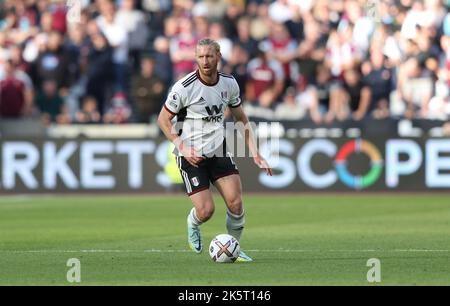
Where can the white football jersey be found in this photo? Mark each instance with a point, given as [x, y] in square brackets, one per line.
[200, 109]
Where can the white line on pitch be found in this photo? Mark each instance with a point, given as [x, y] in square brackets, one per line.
[255, 251]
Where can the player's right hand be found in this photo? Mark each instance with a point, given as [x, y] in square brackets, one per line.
[191, 155]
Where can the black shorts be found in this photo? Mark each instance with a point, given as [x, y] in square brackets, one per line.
[209, 170]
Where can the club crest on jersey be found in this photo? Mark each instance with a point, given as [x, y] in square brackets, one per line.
[195, 181]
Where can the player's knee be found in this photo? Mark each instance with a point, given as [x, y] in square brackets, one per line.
[235, 205]
[205, 213]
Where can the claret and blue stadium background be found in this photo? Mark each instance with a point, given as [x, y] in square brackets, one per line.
[360, 90]
[350, 101]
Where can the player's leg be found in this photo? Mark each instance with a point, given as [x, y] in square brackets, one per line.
[230, 188]
[225, 177]
[203, 207]
[201, 212]
[197, 187]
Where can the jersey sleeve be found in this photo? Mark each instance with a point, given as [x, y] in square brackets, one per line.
[175, 100]
[235, 98]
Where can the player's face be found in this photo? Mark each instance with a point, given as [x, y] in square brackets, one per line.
[207, 60]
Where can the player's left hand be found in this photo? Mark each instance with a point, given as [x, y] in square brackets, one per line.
[262, 163]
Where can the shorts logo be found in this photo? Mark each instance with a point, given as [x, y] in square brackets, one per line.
[195, 181]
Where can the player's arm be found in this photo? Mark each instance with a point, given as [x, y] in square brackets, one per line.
[165, 124]
[240, 116]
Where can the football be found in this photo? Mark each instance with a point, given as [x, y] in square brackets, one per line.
[224, 248]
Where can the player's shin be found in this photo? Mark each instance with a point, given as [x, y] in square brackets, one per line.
[235, 224]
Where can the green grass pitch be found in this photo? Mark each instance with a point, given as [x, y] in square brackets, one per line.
[294, 240]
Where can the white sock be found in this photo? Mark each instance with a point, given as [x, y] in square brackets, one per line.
[193, 219]
[235, 224]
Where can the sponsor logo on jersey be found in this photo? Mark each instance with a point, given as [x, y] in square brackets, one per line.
[215, 113]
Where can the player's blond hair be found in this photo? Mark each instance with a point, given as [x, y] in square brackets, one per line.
[209, 42]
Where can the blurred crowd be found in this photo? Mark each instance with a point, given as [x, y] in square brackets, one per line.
[113, 61]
